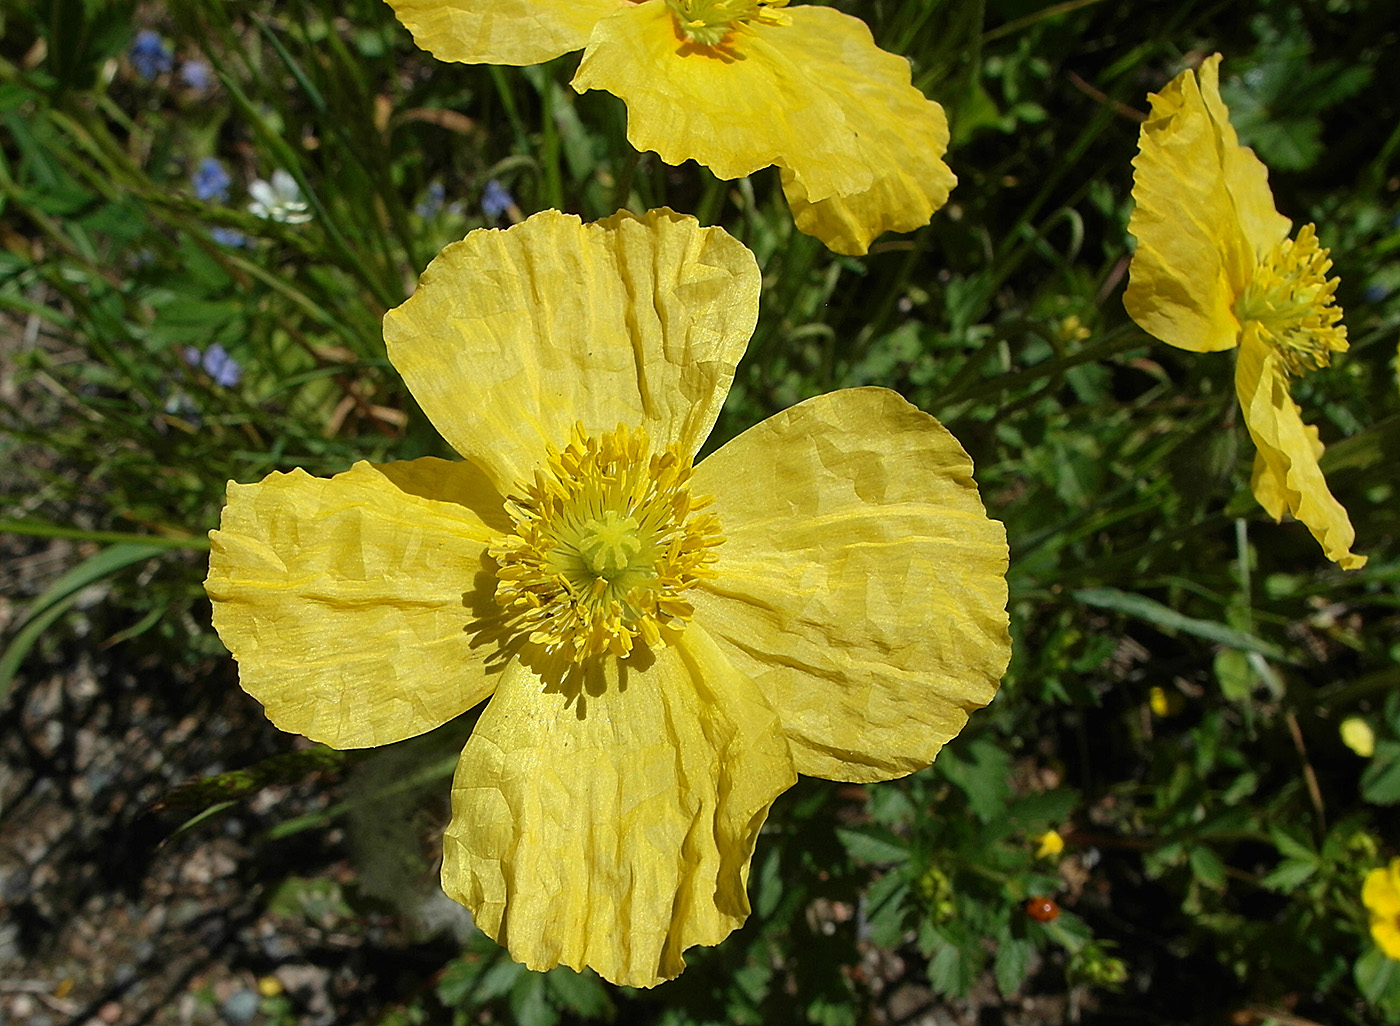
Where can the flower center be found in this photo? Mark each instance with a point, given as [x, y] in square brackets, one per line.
[1292, 301]
[709, 22]
[607, 539]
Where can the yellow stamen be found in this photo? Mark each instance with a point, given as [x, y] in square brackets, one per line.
[1292, 301]
[607, 539]
[711, 22]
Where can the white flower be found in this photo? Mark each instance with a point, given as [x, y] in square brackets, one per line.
[280, 200]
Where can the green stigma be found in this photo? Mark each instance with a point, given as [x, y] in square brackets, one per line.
[710, 22]
[1291, 300]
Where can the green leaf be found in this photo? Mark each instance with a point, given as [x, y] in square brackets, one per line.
[981, 770]
[877, 847]
[1376, 974]
[1234, 675]
[1170, 620]
[49, 606]
[1288, 875]
[582, 993]
[1380, 781]
[1013, 961]
[885, 907]
[528, 1003]
[1207, 867]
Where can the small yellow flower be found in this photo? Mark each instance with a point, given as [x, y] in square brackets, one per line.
[1164, 703]
[663, 645]
[1215, 269]
[737, 85]
[1358, 736]
[1049, 845]
[1381, 896]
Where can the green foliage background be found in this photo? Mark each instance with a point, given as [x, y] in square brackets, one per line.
[1215, 844]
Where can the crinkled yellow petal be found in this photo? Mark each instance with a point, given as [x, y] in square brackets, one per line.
[902, 135]
[1267, 482]
[613, 827]
[1290, 478]
[1194, 256]
[347, 601]
[755, 102]
[861, 584]
[1246, 177]
[515, 335]
[501, 31]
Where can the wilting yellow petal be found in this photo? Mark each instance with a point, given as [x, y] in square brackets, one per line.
[1291, 475]
[501, 31]
[734, 109]
[514, 336]
[346, 601]
[861, 584]
[613, 827]
[903, 135]
[1267, 482]
[1194, 256]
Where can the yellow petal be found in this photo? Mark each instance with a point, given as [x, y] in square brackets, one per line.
[1267, 480]
[1381, 891]
[735, 109]
[1194, 255]
[1246, 177]
[515, 335]
[613, 828]
[1291, 477]
[347, 601]
[902, 135]
[500, 31]
[860, 584]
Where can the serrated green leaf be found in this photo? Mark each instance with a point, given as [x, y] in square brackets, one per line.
[528, 1003]
[1288, 875]
[885, 903]
[1013, 961]
[582, 993]
[1380, 781]
[1207, 867]
[877, 847]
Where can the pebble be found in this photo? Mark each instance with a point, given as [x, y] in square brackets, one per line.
[239, 1007]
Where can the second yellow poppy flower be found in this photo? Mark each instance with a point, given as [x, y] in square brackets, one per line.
[1215, 269]
[737, 85]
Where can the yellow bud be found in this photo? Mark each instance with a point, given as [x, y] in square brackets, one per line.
[1358, 736]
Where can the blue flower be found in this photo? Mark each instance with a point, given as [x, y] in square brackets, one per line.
[211, 181]
[216, 362]
[230, 237]
[495, 200]
[149, 55]
[431, 202]
[196, 75]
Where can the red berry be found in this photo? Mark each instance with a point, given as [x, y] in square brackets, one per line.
[1042, 909]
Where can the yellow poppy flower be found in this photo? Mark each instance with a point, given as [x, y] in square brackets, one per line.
[1215, 269]
[1381, 896]
[736, 85]
[659, 663]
